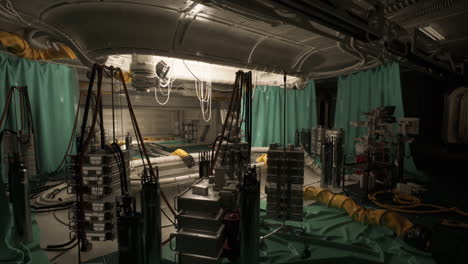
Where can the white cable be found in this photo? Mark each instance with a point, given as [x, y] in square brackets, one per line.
[203, 90]
[165, 84]
[167, 98]
[13, 12]
[8, 11]
[204, 95]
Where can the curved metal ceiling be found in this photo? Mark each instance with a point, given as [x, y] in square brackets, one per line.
[184, 29]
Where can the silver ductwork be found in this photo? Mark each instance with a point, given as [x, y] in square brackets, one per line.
[143, 72]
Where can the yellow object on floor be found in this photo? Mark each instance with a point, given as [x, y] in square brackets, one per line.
[394, 221]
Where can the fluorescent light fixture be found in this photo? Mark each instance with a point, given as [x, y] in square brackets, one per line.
[432, 33]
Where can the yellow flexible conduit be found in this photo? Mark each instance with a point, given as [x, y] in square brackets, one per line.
[394, 221]
[180, 152]
[21, 48]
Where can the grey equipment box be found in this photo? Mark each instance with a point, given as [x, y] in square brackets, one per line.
[198, 259]
[200, 221]
[187, 201]
[208, 244]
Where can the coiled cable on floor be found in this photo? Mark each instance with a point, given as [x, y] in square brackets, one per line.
[406, 203]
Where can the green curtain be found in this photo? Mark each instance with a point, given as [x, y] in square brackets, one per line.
[268, 117]
[363, 91]
[52, 91]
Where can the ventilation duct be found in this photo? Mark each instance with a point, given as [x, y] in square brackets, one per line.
[143, 72]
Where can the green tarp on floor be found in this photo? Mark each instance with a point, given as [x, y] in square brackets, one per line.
[332, 237]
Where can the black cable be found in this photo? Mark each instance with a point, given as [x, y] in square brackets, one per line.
[223, 130]
[86, 109]
[63, 252]
[116, 151]
[59, 220]
[82, 147]
[234, 110]
[168, 218]
[44, 189]
[52, 210]
[113, 106]
[62, 245]
[52, 206]
[123, 173]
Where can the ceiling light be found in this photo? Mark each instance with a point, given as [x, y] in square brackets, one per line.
[432, 33]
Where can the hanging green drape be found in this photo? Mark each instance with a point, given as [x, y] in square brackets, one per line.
[268, 117]
[51, 91]
[363, 91]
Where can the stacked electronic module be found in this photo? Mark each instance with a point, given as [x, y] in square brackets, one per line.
[100, 184]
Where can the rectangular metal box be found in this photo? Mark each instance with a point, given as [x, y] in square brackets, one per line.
[200, 221]
[200, 243]
[199, 259]
[188, 201]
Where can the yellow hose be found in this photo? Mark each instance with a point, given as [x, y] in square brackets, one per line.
[21, 48]
[180, 152]
[394, 221]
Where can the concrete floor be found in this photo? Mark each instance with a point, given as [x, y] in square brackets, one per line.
[52, 232]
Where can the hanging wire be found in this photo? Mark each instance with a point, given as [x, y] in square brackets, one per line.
[204, 92]
[168, 83]
[12, 11]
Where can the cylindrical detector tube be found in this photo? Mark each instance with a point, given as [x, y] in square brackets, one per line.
[204, 168]
[19, 191]
[130, 240]
[151, 211]
[250, 218]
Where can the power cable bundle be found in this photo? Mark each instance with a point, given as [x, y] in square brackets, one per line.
[232, 124]
[85, 141]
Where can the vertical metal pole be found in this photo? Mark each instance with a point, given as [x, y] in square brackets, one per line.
[400, 159]
[130, 230]
[325, 159]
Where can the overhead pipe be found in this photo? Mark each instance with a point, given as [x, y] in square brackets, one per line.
[29, 36]
[160, 160]
[136, 180]
[33, 22]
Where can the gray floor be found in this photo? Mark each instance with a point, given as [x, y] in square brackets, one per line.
[52, 232]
